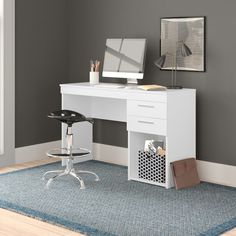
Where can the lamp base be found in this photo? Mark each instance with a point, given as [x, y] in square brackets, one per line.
[174, 87]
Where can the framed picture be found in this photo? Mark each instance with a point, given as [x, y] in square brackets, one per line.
[187, 31]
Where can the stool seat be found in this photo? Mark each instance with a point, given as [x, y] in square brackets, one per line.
[69, 117]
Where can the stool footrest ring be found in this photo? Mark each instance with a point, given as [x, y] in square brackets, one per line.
[64, 153]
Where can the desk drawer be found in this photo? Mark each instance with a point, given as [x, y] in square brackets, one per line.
[146, 125]
[146, 109]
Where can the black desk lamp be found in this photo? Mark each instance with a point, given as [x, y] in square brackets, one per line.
[160, 62]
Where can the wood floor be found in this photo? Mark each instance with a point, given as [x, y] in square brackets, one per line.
[13, 224]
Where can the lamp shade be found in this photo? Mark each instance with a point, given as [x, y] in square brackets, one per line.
[185, 50]
[160, 61]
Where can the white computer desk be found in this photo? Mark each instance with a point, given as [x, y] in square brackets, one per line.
[169, 116]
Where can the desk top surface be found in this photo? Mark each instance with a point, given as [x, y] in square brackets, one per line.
[86, 89]
[87, 85]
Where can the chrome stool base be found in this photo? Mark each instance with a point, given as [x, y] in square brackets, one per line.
[68, 171]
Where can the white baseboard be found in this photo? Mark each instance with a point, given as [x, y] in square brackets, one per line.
[208, 171]
[34, 152]
[217, 173]
[111, 154]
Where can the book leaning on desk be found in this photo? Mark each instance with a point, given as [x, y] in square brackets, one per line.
[152, 87]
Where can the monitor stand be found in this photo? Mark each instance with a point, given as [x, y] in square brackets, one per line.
[131, 84]
[132, 81]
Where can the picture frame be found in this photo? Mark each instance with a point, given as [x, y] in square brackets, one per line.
[192, 32]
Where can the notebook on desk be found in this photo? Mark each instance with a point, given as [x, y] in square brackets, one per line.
[152, 87]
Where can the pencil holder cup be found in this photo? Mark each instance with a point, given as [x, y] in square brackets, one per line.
[94, 77]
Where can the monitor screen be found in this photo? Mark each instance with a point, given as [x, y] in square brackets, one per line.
[124, 58]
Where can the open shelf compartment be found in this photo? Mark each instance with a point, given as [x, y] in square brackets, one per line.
[142, 166]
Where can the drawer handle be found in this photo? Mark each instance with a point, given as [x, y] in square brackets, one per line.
[146, 122]
[148, 106]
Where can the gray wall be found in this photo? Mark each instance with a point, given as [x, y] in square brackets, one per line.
[91, 22]
[41, 64]
[47, 32]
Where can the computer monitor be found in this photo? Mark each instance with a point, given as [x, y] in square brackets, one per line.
[125, 58]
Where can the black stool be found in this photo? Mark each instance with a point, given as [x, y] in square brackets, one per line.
[68, 153]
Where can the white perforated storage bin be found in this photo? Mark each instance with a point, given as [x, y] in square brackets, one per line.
[151, 167]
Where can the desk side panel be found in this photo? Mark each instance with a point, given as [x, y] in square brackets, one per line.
[181, 128]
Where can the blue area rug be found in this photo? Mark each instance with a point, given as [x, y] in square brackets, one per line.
[115, 206]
